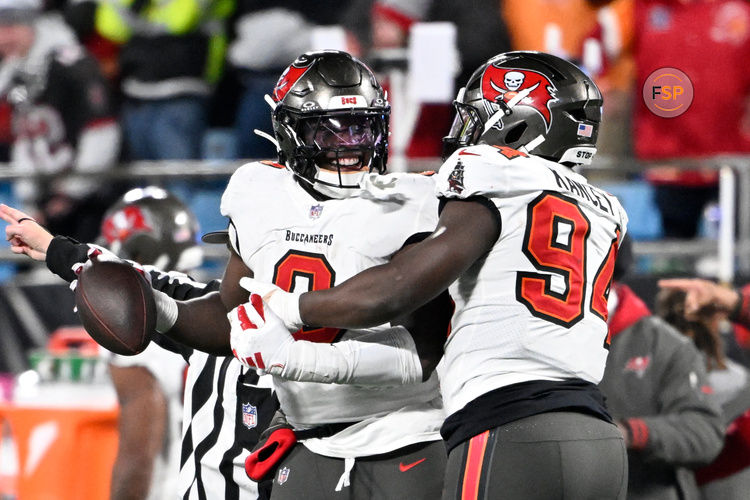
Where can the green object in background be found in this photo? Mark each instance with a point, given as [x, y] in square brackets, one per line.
[67, 367]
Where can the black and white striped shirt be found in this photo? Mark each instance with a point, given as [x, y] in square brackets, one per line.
[225, 412]
[225, 408]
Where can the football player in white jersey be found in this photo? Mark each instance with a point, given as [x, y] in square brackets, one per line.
[527, 247]
[324, 212]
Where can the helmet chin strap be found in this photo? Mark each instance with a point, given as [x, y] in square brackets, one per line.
[532, 144]
[269, 100]
[327, 183]
[272, 104]
[330, 183]
[498, 115]
[268, 137]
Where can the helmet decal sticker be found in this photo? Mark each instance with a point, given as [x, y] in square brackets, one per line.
[529, 88]
[511, 153]
[456, 178]
[290, 76]
[124, 223]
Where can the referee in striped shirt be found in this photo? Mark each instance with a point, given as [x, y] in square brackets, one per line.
[225, 407]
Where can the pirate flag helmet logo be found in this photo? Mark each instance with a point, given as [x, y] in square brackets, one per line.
[152, 226]
[123, 223]
[532, 102]
[519, 87]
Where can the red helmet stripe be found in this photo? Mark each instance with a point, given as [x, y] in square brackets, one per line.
[287, 80]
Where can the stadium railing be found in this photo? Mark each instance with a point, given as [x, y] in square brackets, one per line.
[620, 175]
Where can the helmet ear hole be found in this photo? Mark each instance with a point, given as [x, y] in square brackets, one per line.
[515, 133]
[578, 114]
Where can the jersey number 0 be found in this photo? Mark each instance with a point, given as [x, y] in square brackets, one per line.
[296, 267]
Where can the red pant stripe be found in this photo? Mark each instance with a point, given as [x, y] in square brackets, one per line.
[473, 470]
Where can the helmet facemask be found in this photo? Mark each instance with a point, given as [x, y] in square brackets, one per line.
[335, 150]
[465, 129]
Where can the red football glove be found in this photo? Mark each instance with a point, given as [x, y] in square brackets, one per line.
[275, 443]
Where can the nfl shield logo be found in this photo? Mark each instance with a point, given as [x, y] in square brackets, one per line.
[315, 211]
[283, 475]
[249, 415]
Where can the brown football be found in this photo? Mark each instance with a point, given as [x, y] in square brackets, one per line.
[116, 306]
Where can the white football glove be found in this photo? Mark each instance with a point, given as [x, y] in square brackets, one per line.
[284, 304]
[261, 341]
[258, 337]
[101, 254]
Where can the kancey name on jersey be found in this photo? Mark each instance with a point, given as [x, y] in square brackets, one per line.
[586, 191]
[326, 239]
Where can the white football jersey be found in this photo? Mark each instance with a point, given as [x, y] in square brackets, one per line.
[288, 238]
[536, 307]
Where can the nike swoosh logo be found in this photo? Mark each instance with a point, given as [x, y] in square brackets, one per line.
[404, 468]
[467, 153]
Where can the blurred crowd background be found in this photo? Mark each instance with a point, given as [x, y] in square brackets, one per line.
[101, 96]
[93, 87]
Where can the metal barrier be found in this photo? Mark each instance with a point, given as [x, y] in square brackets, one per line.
[733, 253]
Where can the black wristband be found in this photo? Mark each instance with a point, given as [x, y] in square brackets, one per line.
[62, 254]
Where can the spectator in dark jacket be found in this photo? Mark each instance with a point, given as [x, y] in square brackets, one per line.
[727, 477]
[655, 385]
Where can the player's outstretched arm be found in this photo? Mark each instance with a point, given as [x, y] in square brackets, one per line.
[202, 323]
[202, 320]
[24, 234]
[466, 231]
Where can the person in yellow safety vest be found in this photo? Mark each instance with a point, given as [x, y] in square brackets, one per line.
[172, 52]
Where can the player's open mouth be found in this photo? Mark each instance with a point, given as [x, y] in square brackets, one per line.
[346, 163]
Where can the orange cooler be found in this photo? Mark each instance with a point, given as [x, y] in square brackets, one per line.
[63, 453]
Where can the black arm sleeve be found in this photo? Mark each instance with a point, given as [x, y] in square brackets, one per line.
[63, 253]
